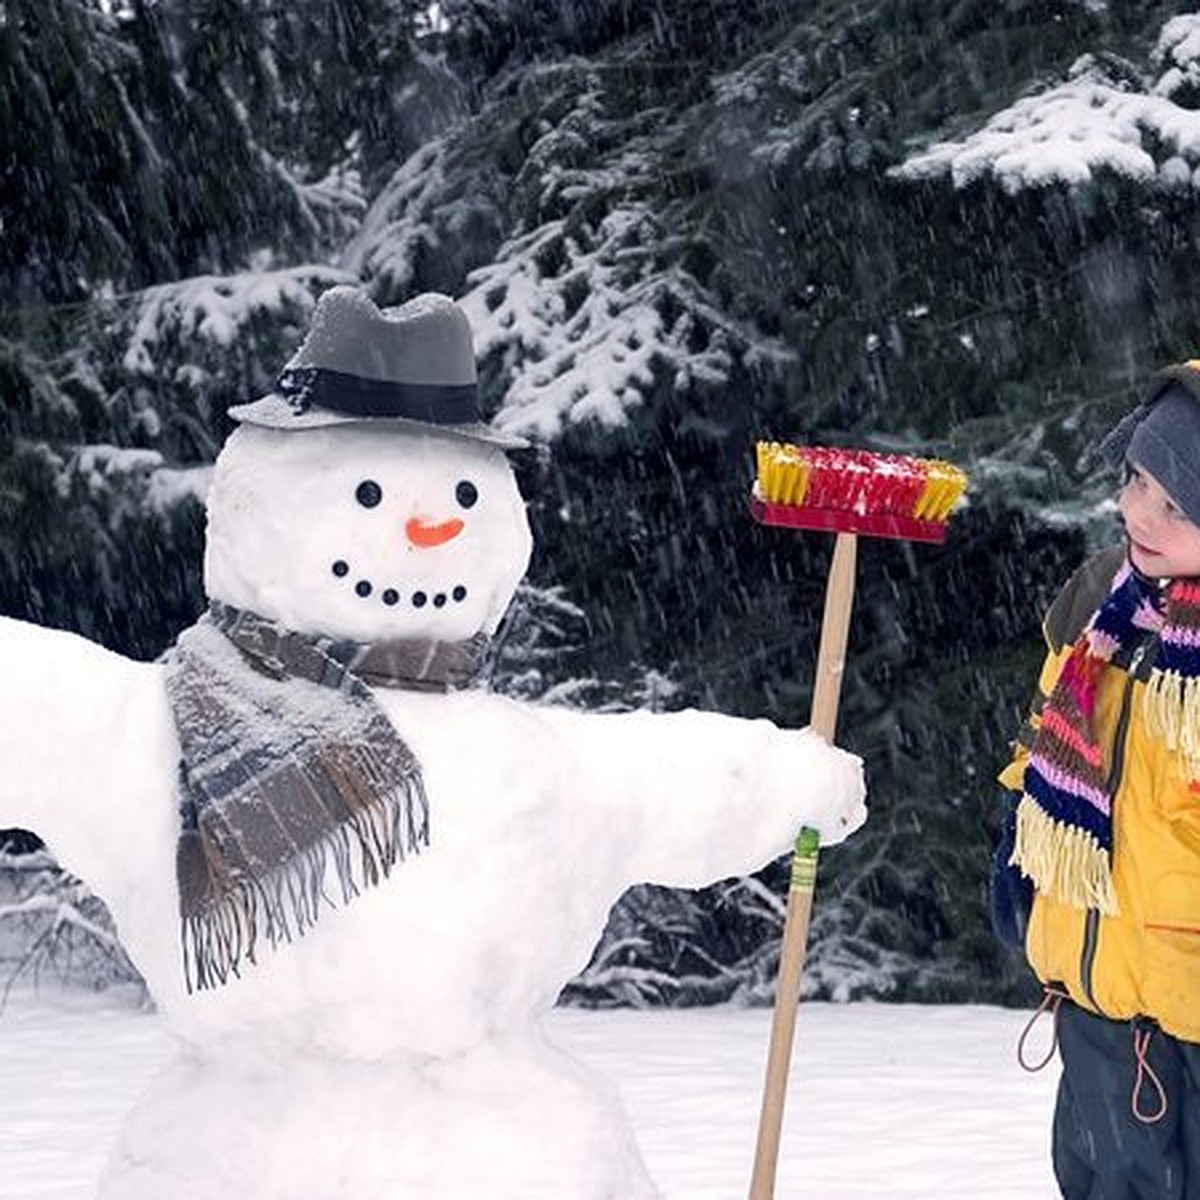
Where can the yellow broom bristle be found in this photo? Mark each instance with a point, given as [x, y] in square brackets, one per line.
[782, 473]
[944, 484]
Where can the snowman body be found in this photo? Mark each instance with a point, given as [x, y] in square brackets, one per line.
[394, 1049]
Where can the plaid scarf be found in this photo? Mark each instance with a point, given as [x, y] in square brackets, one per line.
[1064, 818]
[289, 764]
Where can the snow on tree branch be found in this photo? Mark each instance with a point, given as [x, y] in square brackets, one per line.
[398, 223]
[51, 923]
[1106, 117]
[582, 319]
[576, 284]
[217, 308]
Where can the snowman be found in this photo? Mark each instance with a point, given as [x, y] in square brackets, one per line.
[354, 879]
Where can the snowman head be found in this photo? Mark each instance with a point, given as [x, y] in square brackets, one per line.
[364, 499]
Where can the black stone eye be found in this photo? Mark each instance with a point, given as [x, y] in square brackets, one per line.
[369, 493]
[466, 493]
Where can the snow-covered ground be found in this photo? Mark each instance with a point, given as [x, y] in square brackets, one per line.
[885, 1101]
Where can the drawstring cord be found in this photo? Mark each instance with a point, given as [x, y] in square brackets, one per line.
[1141, 1046]
[1051, 999]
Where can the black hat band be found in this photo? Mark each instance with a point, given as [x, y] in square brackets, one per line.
[354, 396]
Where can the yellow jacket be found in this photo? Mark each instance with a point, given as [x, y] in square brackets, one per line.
[1145, 961]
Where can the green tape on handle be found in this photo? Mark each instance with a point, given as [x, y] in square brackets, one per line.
[804, 860]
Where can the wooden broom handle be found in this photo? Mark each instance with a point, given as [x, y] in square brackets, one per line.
[835, 629]
[831, 661]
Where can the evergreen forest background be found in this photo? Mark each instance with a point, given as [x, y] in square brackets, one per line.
[679, 226]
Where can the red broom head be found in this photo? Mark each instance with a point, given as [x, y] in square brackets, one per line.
[855, 491]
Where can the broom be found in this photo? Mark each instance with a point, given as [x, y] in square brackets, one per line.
[848, 493]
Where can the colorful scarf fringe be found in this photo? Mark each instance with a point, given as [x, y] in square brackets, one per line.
[1064, 819]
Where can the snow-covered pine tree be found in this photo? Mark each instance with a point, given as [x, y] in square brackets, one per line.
[679, 226]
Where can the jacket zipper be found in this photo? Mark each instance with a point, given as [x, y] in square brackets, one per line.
[1091, 928]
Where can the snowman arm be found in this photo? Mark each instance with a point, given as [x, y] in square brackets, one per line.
[86, 750]
[696, 796]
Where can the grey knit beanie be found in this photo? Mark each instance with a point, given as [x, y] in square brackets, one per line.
[1162, 436]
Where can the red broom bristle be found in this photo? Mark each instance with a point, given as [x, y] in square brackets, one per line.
[859, 481]
[887, 495]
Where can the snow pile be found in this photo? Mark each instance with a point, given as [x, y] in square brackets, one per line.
[1096, 121]
[895, 1101]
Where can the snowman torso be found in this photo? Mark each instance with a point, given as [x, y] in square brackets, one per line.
[416, 964]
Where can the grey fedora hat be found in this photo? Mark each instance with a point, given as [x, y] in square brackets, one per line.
[410, 365]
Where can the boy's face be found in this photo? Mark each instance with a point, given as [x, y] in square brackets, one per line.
[1163, 541]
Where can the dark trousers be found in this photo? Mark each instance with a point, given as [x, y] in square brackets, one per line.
[1102, 1150]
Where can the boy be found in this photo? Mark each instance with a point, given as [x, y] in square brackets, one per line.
[1099, 872]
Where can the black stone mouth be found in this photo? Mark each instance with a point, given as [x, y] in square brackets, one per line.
[392, 597]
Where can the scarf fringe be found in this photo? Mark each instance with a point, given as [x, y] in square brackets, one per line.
[1065, 862]
[285, 905]
[1064, 818]
[291, 799]
[1172, 712]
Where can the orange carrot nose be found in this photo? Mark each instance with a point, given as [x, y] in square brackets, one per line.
[425, 535]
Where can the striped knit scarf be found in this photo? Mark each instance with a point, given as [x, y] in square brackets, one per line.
[1064, 819]
[288, 766]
